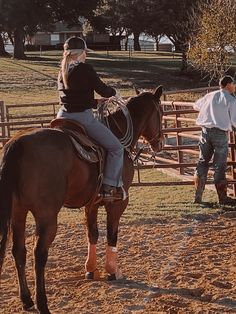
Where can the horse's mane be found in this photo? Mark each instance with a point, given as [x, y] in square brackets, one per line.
[134, 104]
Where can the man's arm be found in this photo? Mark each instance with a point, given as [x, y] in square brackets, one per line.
[198, 104]
[232, 113]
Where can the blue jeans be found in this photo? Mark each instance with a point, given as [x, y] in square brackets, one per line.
[102, 135]
[213, 142]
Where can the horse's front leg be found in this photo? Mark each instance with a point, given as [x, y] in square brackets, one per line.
[92, 236]
[114, 212]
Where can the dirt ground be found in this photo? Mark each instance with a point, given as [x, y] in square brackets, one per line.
[184, 265]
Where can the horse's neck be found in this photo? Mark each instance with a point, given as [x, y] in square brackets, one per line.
[119, 127]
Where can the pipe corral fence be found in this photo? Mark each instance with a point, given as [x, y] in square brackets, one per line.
[178, 157]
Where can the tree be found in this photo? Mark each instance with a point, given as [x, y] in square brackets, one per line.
[28, 16]
[3, 52]
[108, 17]
[123, 17]
[177, 19]
[134, 18]
[21, 18]
[216, 38]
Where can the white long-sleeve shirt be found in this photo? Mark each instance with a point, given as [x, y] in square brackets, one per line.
[216, 110]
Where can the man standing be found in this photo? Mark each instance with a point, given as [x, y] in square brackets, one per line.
[217, 115]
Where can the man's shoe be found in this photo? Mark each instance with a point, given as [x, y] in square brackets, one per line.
[227, 201]
[112, 193]
[221, 189]
[197, 200]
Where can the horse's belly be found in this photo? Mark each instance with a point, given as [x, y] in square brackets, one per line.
[82, 184]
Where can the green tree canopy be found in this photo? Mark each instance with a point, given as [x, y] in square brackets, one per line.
[20, 18]
[173, 18]
[177, 19]
[120, 15]
[216, 38]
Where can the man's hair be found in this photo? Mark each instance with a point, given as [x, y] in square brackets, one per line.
[227, 79]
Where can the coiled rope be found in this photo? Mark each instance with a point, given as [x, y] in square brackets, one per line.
[104, 111]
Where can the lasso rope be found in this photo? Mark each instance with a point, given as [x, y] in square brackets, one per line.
[120, 103]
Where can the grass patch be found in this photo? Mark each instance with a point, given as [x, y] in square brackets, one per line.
[34, 79]
[151, 203]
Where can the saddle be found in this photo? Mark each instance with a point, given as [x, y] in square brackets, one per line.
[85, 148]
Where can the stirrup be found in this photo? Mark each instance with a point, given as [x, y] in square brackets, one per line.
[112, 194]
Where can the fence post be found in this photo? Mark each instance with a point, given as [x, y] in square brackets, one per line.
[7, 120]
[3, 119]
[179, 140]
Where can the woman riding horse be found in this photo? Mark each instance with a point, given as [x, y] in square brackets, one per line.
[40, 172]
[77, 82]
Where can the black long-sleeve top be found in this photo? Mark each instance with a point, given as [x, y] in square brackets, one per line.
[82, 82]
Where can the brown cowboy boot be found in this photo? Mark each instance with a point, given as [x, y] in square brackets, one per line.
[221, 189]
[199, 183]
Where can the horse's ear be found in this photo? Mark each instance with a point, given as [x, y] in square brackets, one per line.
[136, 90]
[158, 92]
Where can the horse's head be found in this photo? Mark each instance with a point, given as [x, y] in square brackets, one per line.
[152, 126]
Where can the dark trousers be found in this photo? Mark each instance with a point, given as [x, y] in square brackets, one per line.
[213, 143]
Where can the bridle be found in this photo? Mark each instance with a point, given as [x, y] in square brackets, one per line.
[159, 134]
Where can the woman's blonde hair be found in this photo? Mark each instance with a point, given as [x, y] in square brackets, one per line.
[66, 60]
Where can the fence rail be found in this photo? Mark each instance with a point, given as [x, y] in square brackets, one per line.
[180, 152]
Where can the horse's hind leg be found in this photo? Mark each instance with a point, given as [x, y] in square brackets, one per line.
[92, 235]
[46, 229]
[19, 253]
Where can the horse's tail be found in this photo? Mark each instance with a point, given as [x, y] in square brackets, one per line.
[8, 183]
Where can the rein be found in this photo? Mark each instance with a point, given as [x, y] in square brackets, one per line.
[157, 136]
[159, 133]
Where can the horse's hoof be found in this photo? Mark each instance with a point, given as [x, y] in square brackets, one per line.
[115, 276]
[44, 311]
[29, 305]
[92, 275]
[89, 275]
[111, 277]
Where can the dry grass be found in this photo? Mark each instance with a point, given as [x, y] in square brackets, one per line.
[34, 79]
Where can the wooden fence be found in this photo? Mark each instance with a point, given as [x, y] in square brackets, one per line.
[180, 153]
[17, 117]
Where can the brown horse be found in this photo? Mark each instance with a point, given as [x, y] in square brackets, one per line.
[40, 172]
